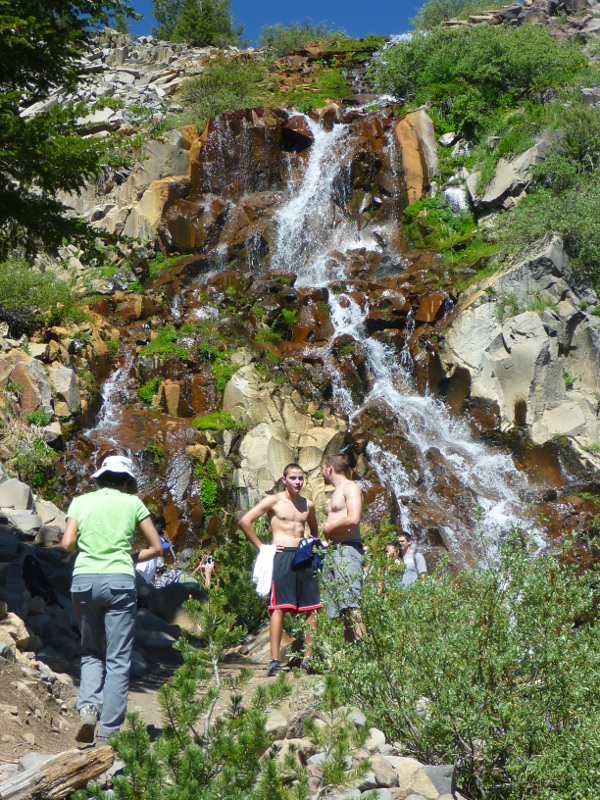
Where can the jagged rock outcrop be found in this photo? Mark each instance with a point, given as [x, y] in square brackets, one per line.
[531, 346]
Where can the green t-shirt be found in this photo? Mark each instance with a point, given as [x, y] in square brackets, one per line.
[106, 520]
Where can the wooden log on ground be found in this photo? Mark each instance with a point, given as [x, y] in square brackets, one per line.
[59, 777]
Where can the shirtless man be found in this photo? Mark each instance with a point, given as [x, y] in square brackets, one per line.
[342, 529]
[288, 515]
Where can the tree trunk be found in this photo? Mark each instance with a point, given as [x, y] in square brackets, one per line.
[59, 777]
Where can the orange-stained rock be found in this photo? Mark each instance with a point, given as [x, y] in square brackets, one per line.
[431, 307]
[193, 224]
[130, 310]
[201, 392]
[418, 153]
[312, 324]
[189, 135]
[412, 162]
[176, 533]
[172, 394]
[171, 512]
[29, 398]
[390, 312]
[198, 451]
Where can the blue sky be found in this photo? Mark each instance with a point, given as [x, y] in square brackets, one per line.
[356, 17]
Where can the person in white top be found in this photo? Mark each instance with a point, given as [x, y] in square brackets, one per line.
[414, 563]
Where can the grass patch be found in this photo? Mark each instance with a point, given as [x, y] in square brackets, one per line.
[226, 86]
[51, 300]
[215, 421]
[165, 345]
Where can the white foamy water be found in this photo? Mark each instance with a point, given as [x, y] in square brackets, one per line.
[114, 398]
[311, 226]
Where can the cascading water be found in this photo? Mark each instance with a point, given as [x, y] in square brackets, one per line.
[313, 238]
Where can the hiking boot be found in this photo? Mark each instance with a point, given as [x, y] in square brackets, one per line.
[273, 667]
[101, 740]
[88, 717]
[308, 666]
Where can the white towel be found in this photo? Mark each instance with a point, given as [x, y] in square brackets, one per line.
[262, 574]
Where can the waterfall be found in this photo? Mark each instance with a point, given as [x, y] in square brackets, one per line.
[310, 227]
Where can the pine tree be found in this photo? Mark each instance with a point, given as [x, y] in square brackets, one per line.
[40, 155]
[198, 22]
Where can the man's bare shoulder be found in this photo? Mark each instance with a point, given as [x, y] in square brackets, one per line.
[351, 488]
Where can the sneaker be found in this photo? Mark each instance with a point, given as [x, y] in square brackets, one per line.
[273, 667]
[308, 666]
[88, 717]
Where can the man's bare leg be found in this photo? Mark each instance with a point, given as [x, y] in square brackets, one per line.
[311, 624]
[276, 631]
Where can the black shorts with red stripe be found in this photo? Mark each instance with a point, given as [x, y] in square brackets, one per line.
[293, 591]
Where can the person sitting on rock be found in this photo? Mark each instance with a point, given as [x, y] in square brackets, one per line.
[101, 525]
[296, 591]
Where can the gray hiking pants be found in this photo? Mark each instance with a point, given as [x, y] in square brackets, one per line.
[105, 607]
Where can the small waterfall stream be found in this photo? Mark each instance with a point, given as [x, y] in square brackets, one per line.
[312, 233]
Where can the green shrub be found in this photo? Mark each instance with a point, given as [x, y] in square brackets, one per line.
[209, 495]
[24, 288]
[164, 345]
[285, 38]
[429, 223]
[235, 559]
[215, 421]
[572, 214]
[496, 669]
[226, 86]
[198, 24]
[466, 73]
[149, 389]
[39, 418]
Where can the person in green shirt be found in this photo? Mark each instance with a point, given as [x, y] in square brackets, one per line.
[100, 526]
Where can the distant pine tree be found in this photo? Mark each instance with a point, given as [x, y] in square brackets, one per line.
[198, 22]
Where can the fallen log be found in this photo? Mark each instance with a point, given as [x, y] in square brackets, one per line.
[59, 777]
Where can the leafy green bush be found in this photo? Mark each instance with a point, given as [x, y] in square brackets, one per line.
[164, 345]
[224, 87]
[23, 288]
[496, 669]
[468, 72]
[430, 223]
[39, 418]
[235, 562]
[215, 421]
[285, 38]
[573, 214]
[149, 389]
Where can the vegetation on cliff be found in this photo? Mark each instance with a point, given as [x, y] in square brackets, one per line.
[499, 88]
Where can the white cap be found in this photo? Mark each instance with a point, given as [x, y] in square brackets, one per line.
[119, 464]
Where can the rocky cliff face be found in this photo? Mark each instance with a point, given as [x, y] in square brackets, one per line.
[290, 321]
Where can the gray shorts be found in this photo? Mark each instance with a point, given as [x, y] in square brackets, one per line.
[343, 578]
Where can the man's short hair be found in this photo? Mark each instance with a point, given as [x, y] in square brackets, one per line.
[339, 462]
[291, 466]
